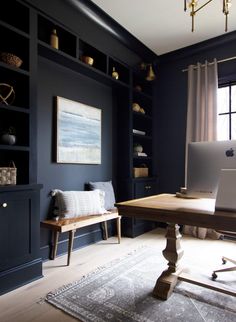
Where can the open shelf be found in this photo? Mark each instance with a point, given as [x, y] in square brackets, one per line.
[99, 58]
[8, 11]
[122, 70]
[15, 44]
[67, 41]
[56, 56]
[20, 84]
[141, 85]
[19, 121]
[21, 160]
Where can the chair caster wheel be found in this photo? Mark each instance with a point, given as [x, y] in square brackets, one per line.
[214, 276]
[224, 261]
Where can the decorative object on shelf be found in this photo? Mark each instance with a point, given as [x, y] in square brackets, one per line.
[8, 174]
[137, 147]
[54, 41]
[150, 76]
[87, 60]
[140, 154]
[193, 6]
[7, 94]
[139, 132]
[78, 133]
[135, 107]
[9, 136]
[114, 73]
[138, 88]
[142, 110]
[141, 171]
[11, 59]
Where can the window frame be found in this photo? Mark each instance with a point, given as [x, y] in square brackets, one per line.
[228, 84]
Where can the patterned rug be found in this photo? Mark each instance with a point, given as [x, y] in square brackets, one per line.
[122, 291]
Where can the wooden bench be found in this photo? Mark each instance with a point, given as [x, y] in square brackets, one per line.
[71, 224]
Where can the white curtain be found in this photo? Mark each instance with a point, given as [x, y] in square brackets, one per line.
[201, 118]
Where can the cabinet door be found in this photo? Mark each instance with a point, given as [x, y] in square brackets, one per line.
[19, 231]
[145, 189]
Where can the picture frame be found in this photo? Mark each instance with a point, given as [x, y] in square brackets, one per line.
[78, 132]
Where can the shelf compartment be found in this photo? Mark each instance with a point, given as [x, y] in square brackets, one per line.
[100, 59]
[144, 102]
[19, 121]
[145, 143]
[16, 44]
[56, 56]
[67, 40]
[21, 160]
[139, 80]
[20, 84]
[6, 14]
[139, 162]
[144, 126]
[122, 70]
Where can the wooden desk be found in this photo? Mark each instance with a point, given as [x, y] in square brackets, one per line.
[173, 211]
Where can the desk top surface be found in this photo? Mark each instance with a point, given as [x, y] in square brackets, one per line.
[169, 208]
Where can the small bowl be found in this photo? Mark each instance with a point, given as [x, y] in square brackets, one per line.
[10, 59]
[87, 60]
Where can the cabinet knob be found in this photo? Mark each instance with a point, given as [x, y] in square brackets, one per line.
[4, 205]
[147, 187]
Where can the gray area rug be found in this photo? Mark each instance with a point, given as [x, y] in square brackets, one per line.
[122, 291]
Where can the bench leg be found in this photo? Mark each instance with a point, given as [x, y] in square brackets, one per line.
[118, 225]
[70, 244]
[105, 230]
[55, 242]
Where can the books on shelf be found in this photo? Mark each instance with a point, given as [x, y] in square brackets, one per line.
[140, 154]
[139, 132]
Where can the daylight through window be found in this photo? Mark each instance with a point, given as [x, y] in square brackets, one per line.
[226, 113]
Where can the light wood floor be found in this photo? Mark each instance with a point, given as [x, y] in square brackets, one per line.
[26, 303]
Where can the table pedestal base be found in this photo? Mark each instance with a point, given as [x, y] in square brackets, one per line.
[173, 252]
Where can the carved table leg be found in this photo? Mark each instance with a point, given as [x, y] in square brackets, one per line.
[173, 253]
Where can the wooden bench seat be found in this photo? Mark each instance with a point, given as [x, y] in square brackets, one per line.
[71, 224]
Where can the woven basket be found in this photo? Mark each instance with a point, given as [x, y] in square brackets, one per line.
[10, 59]
[8, 175]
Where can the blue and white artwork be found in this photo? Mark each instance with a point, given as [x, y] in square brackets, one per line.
[78, 132]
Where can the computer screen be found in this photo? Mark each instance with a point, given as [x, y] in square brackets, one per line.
[205, 160]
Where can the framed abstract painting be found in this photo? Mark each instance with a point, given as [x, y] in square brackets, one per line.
[78, 132]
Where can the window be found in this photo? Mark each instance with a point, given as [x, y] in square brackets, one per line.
[226, 114]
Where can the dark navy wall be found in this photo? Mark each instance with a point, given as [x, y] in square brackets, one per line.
[171, 103]
[54, 80]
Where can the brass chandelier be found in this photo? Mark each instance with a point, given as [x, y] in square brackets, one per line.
[193, 7]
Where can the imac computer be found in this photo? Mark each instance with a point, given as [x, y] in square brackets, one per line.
[205, 162]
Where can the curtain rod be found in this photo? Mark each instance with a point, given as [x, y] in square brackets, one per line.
[219, 61]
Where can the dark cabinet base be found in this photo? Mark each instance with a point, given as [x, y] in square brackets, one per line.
[132, 227]
[134, 189]
[18, 276]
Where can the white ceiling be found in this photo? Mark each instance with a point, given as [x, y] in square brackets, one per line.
[163, 26]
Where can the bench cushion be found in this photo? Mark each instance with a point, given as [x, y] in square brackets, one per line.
[107, 187]
[70, 204]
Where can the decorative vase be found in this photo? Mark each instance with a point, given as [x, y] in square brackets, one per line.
[9, 139]
[138, 148]
[114, 73]
[54, 41]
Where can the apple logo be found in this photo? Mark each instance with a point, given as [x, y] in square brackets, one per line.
[229, 153]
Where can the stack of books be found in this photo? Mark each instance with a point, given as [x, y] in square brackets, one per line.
[139, 132]
[140, 154]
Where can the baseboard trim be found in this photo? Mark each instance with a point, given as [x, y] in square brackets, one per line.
[20, 275]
